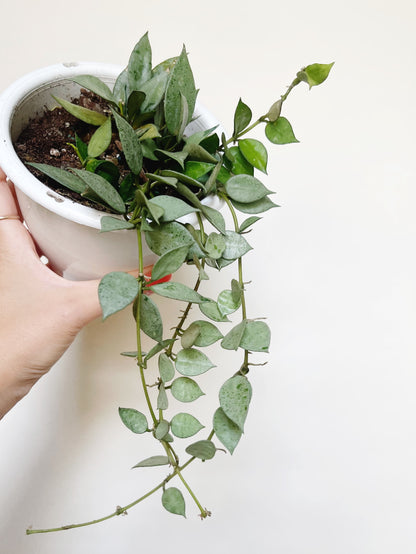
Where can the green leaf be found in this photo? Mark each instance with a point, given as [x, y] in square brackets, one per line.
[211, 310]
[211, 184]
[191, 362]
[153, 461]
[65, 178]
[173, 501]
[189, 336]
[168, 236]
[130, 142]
[95, 85]
[116, 291]
[274, 112]
[178, 291]
[315, 74]
[150, 319]
[154, 89]
[235, 396]
[196, 170]
[215, 245]
[242, 117]
[208, 333]
[203, 276]
[199, 136]
[140, 64]
[245, 188]
[199, 153]
[182, 178]
[257, 207]
[214, 217]
[280, 132]
[158, 348]
[224, 174]
[84, 114]
[226, 430]
[239, 164]
[256, 337]
[185, 425]
[236, 291]
[181, 82]
[154, 211]
[232, 339]
[169, 262]
[185, 389]
[179, 157]
[102, 188]
[226, 302]
[127, 188]
[130, 354]
[166, 368]
[162, 399]
[154, 177]
[254, 152]
[248, 223]
[120, 86]
[134, 102]
[133, 420]
[109, 223]
[184, 117]
[148, 131]
[165, 66]
[80, 148]
[100, 140]
[173, 208]
[148, 147]
[162, 429]
[106, 169]
[204, 450]
[236, 246]
[211, 144]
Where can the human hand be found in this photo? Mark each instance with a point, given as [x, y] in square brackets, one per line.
[40, 312]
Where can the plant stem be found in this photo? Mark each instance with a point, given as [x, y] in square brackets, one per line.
[121, 509]
[203, 513]
[245, 131]
[117, 512]
[293, 84]
[264, 118]
[138, 327]
[189, 305]
[240, 273]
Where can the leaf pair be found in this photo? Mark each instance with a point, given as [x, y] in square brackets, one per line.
[87, 184]
[249, 335]
[228, 422]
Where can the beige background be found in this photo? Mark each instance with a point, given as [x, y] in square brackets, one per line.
[327, 462]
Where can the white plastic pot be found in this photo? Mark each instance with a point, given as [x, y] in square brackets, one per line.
[66, 232]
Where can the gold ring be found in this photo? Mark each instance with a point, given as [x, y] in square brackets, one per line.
[9, 217]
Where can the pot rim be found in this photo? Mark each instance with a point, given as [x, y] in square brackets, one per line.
[16, 170]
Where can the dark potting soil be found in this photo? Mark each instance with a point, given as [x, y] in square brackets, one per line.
[47, 140]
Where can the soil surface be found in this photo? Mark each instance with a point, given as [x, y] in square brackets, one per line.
[48, 139]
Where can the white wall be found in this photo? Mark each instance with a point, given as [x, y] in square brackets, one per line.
[327, 462]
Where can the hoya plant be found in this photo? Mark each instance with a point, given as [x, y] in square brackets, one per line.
[162, 174]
